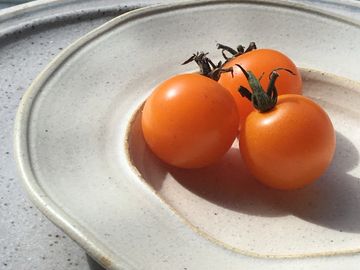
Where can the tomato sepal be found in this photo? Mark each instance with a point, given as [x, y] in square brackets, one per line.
[262, 100]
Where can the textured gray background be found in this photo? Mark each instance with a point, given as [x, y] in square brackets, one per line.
[27, 239]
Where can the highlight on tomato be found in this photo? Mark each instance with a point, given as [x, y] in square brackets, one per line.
[288, 141]
[260, 62]
[190, 120]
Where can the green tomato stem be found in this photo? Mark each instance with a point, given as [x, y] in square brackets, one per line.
[261, 100]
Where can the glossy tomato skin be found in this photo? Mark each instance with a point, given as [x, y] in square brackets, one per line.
[190, 121]
[289, 146]
[259, 61]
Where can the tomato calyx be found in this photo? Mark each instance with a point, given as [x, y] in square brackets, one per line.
[262, 100]
[234, 53]
[207, 67]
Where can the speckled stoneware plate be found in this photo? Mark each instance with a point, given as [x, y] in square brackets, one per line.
[81, 153]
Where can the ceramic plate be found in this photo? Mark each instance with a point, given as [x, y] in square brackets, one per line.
[84, 162]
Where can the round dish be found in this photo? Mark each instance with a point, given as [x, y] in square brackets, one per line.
[72, 133]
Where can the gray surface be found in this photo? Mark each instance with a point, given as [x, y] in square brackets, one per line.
[9, 3]
[27, 239]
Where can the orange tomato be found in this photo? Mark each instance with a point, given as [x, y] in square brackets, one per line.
[260, 61]
[190, 121]
[289, 146]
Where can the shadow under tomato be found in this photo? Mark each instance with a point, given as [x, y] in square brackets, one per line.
[228, 184]
[333, 201]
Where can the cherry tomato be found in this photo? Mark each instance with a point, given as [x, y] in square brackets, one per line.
[289, 146]
[260, 61]
[190, 121]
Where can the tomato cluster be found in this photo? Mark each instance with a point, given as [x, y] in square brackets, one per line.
[285, 139]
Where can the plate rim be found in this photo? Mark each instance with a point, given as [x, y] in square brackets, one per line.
[37, 194]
